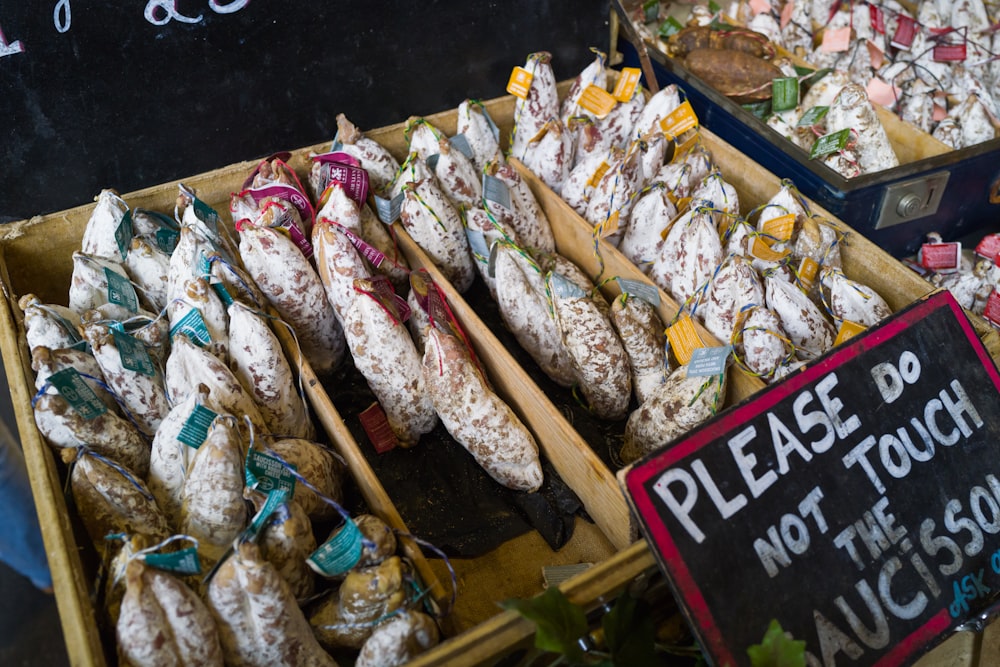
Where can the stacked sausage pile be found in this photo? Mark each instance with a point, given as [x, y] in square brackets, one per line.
[770, 283]
[166, 387]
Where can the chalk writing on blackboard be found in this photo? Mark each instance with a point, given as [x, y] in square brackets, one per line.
[162, 12]
[157, 12]
[9, 49]
[62, 15]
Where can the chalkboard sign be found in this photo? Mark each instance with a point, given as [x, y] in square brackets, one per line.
[129, 95]
[857, 502]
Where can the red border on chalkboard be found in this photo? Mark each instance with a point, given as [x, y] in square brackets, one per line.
[654, 465]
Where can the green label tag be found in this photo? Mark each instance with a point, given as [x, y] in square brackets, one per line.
[812, 116]
[196, 426]
[206, 214]
[651, 8]
[265, 473]
[192, 325]
[670, 27]
[184, 561]
[708, 361]
[496, 191]
[759, 109]
[339, 553]
[275, 499]
[120, 291]
[713, 6]
[133, 353]
[784, 93]
[77, 393]
[830, 143]
[166, 240]
[477, 243]
[124, 233]
[648, 293]
[815, 74]
[564, 288]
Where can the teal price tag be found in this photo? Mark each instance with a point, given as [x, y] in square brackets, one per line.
[339, 553]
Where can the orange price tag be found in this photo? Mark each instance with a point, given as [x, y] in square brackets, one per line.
[847, 330]
[761, 250]
[520, 82]
[808, 268]
[685, 148]
[683, 339]
[836, 40]
[609, 226]
[780, 228]
[679, 121]
[598, 175]
[597, 101]
[627, 83]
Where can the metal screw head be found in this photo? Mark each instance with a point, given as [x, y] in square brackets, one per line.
[909, 205]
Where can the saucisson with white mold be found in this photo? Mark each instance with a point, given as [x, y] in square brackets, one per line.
[163, 622]
[599, 361]
[346, 618]
[473, 125]
[594, 74]
[212, 507]
[476, 417]
[808, 329]
[540, 104]
[458, 179]
[287, 541]
[260, 624]
[374, 158]
[526, 311]
[530, 222]
[141, 392]
[198, 295]
[436, 227]
[109, 502]
[850, 300]
[170, 457]
[549, 154]
[49, 325]
[386, 356]
[293, 288]
[640, 330]
[673, 409]
[735, 285]
[102, 225]
[258, 362]
[322, 469]
[189, 366]
[399, 640]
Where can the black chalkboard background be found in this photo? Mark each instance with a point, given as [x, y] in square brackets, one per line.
[116, 101]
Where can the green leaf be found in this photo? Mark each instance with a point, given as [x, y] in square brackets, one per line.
[629, 632]
[777, 649]
[558, 622]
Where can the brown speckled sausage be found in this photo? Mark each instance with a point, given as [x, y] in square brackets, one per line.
[476, 417]
[294, 290]
[162, 621]
[259, 621]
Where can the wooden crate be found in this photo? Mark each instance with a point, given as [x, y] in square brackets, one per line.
[34, 257]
